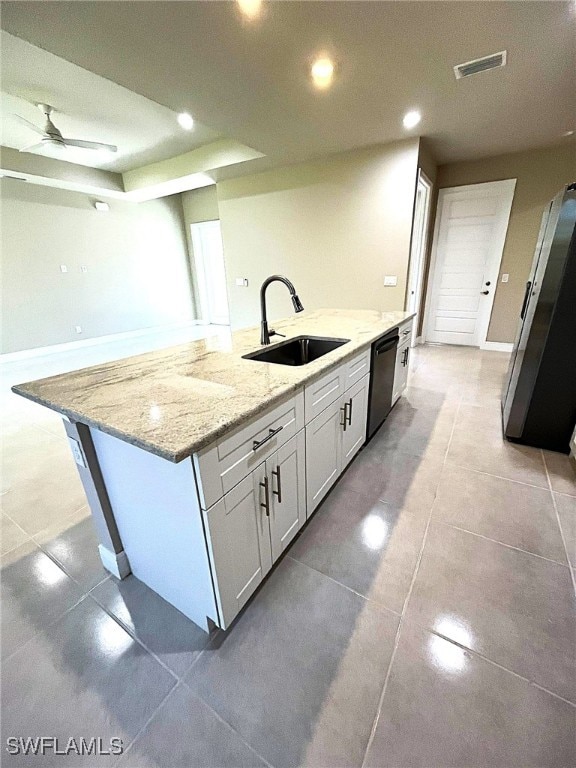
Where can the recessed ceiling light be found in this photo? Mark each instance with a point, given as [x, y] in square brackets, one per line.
[250, 8]
[411, 119]
[322, 72]
[186, 121]
[102, 207]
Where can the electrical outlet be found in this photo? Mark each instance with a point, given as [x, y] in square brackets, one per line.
[77, 452]
[505, 277]
[83, 268]
[78, 328]
[242, 282]
[390, 280]
[63, 268]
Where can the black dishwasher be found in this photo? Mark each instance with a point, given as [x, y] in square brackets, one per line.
[381, 380]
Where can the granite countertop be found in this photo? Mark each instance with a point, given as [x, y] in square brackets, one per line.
[175, 401]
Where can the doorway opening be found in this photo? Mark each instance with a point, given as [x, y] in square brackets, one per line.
[418, 247]
[210, 272]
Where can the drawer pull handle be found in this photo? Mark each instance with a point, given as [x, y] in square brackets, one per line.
[271, 432]
[349, 404]
[278, 493]
[266, 505]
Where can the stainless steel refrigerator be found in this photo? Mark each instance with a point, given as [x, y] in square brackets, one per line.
[539, 398]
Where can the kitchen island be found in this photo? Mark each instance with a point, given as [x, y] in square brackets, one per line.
[200, 466]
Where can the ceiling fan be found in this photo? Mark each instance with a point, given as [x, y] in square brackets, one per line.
[51, 136]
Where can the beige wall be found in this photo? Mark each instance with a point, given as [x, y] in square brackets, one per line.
[335, 227]
[135, 254]
[540, 174]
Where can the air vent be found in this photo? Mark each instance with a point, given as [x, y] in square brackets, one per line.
[480, 65]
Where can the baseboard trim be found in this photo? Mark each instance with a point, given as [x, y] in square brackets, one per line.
[114, 562]
[497, 346]
[24, 354]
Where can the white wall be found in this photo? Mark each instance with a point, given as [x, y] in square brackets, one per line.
[335, 227]
[136, 255]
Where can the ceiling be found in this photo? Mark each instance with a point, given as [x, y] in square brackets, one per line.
[249, 80]
[87, 106]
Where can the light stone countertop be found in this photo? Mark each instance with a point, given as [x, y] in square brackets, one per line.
[173, 402]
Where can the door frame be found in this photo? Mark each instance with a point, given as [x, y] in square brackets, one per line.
[417, 262]
[507, 187]
[202, 277]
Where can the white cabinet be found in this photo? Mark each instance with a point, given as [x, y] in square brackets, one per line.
[402, 361]
[323, 453]
[249, 528]
[238, 537]
[286, 480]
[354, 430]
[333, 438]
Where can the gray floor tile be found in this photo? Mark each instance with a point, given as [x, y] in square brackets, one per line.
[419, 432]
[82, 677]
[11, 536]
[566, 506]
[34, 592]
[300, 674]
[371, 547]
[185, 733]
[28, 453]
[562, 472]
[484, 449]
[175, 639]
[515, 514]
[48, 498]
[396, 477]
[445, 707]
[76, 549]
[512, 607]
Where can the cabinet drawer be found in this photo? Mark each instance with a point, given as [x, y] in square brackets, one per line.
[405, 333]
[323, 391]
[223, 465]
[356, 368]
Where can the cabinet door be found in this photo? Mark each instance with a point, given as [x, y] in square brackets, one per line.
[401, 371]
[323, 453]
[354, 430]
[286, 471]
[238, 534]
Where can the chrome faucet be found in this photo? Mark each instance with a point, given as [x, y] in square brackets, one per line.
[265, 333]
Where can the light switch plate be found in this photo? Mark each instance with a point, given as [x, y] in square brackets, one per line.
[63, 268]
[505, 277]
[84, 268]
[390, 280]
[77, 452]
[242, 282]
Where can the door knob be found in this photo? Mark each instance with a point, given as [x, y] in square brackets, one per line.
[485, 292]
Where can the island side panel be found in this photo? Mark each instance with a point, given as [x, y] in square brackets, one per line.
[157, 512]
[111, 549]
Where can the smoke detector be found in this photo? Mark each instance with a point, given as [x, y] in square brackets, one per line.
[493, 61]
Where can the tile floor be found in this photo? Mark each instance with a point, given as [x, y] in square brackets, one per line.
[424, 617]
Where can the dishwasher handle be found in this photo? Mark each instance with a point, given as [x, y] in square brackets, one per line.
[387, 346]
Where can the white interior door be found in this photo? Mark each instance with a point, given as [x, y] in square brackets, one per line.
[471, 226]
[210, 272]
[418, 249]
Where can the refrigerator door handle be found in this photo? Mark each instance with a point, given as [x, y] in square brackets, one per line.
[526, 299]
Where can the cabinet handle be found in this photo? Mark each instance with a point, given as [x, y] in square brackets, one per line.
[345, 421]
[405, 357]
[266, 505]
[349, 404]
[271, 432]
[278, 493]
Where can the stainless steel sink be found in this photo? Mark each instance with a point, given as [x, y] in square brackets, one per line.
[298, 351]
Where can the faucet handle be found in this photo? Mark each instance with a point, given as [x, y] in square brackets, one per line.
[272, 332]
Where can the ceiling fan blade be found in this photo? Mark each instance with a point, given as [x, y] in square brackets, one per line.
[28, 124]
[90, 145]
[32, 147]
